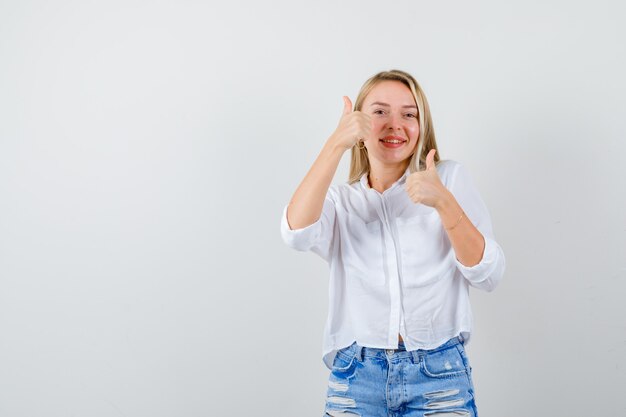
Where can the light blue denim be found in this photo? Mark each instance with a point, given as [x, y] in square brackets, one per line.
[370, 382]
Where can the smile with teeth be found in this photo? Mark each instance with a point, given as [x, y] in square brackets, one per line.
[393, 139]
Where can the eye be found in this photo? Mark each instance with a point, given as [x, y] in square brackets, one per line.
[379, 111]
[411, 115]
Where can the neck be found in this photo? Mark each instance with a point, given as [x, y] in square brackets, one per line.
[382, 177]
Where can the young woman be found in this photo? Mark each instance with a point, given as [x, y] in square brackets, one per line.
[404, 239]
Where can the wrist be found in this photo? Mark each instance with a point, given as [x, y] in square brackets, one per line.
[446, 203]
[335, 145]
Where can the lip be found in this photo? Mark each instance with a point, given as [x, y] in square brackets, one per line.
[394, 137]
[400, 141]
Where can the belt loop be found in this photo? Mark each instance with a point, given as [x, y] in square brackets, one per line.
[416, 356]
[359, 353]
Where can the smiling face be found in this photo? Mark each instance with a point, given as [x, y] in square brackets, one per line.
[395, 126]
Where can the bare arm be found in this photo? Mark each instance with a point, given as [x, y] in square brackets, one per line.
[305, 207]
[466, 240]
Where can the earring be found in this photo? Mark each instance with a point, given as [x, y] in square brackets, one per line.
[360, 144]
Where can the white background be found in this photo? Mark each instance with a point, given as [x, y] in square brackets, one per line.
[147, 149]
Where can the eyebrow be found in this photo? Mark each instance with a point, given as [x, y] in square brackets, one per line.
[380, 103]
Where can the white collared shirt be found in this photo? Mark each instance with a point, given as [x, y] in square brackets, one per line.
[392, 267]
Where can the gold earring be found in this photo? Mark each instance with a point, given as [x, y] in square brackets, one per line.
[360, 144]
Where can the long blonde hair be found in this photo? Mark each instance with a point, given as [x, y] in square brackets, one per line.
[360, 164]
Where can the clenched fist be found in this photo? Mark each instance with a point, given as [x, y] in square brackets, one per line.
[354, 126]
[425, 187]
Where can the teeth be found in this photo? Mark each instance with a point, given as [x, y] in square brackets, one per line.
[392, 140]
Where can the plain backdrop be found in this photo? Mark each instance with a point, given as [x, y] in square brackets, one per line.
[147, 149]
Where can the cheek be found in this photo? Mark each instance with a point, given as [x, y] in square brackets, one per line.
[413, 131]
[377, 126]
[416, 130]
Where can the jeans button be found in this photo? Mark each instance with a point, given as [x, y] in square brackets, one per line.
[390, 352]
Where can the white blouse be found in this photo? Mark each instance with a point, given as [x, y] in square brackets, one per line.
[392, 267]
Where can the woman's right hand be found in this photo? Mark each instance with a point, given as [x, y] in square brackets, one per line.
[354, 126]
[307, 202]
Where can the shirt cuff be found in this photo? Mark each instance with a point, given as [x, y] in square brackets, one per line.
[483, 270]
[299, 239]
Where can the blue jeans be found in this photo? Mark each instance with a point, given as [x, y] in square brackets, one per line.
[372, 382]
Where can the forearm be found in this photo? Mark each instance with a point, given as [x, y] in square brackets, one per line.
[305, 207]
[467, 241]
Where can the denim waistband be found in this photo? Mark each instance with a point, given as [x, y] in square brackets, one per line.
[361, 352]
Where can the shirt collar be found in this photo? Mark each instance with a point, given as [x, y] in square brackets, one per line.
[365, 183]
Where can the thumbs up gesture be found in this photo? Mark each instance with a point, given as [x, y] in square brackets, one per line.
[425, 187]
[354, 126]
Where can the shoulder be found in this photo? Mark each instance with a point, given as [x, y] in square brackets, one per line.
[339, 190]
[448, 169]
[340, 193]
[446, 165]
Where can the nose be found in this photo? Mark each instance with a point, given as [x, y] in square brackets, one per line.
[394, 122]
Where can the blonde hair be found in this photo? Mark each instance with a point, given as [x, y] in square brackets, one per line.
[360, 164]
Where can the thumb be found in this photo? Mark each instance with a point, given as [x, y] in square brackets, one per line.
[347, 105]
[430, 159]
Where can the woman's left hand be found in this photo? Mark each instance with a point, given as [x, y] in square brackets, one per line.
[425, 187]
